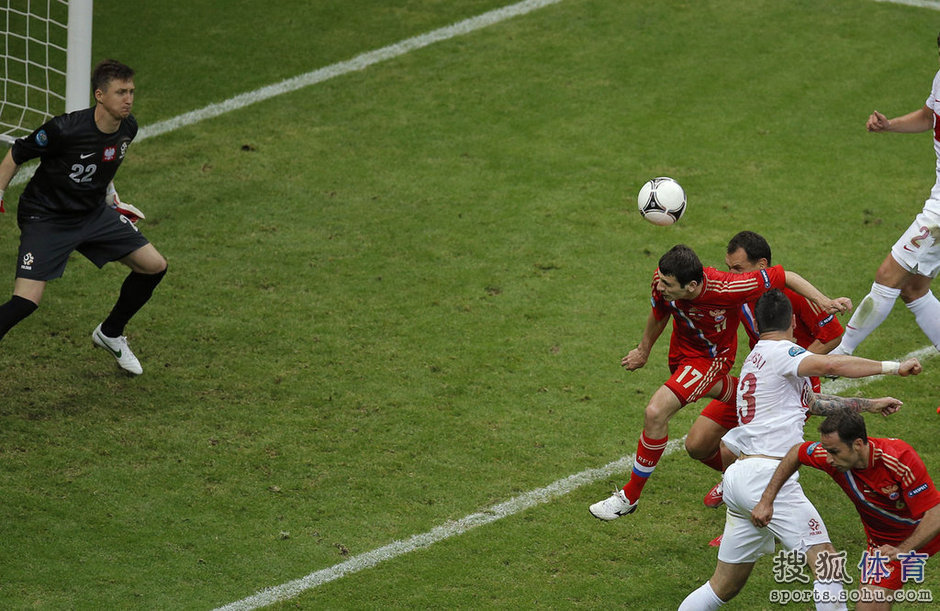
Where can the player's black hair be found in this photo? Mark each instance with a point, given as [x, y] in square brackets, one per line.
[109, 70]
[754, 245]
[773, 312]
[849, 425]
[682, 263]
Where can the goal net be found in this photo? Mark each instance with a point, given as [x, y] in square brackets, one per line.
[46, 58]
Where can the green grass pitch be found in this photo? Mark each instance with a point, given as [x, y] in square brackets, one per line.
[400, 296]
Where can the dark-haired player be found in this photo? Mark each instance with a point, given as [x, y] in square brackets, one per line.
[891, 489]
[816, 330]
[67, 206]
[704, 304]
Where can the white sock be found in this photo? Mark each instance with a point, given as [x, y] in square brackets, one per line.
[870, 313]
[829, 596]
[926, 312]
[703, 599]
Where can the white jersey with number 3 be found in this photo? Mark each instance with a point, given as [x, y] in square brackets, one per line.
[771, 400]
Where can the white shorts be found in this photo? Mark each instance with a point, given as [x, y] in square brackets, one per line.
[918, 250]
[796, 523]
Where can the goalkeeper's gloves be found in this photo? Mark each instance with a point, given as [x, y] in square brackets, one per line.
[132, 212]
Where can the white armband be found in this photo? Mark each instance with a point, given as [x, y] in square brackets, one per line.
[890, 368]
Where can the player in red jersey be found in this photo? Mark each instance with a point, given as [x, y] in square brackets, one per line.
[704, 304]
[891, 489]
[816, 330]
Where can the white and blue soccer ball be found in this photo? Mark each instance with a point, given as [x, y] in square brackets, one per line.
[661, 201]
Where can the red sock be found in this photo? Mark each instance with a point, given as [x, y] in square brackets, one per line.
[648, 453]
[714, 461]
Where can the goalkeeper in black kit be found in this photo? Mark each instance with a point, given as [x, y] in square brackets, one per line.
[70, 205]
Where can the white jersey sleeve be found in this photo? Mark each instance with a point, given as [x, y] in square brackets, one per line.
[771, 400]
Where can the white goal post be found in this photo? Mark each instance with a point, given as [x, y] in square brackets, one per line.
[46, 54]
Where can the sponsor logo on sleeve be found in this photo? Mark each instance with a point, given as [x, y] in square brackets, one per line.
[763, 273]
[811, 448]
[825, 321]
[917, 490]
[796, 351]
[42, 139]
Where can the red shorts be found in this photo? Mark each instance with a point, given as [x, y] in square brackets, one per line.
[894, 581]
[692, 378]
[724, 414]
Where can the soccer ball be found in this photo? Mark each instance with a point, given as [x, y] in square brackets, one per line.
[661, 201]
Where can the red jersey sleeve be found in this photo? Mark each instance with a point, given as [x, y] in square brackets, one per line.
[920, 494]
[814, 455]
[813, 323]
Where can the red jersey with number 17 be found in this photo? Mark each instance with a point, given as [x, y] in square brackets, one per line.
[707, 326]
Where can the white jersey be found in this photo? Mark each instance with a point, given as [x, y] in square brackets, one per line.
[771, 400]
[933, 103]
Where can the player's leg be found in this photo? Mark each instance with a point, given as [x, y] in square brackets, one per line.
[924, 305]
[111, 237]
[147, 270]
[875, 306]
[727, 580]
[662, 406]
[703, 442]
[26, 297]
[828, 577]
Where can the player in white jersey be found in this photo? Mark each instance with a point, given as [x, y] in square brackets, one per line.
[914, 260]
[773, 397]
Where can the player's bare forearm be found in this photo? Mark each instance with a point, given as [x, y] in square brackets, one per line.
[802, 286]
[826, 405]
[927, 529]
[920, 120]
[639, 355]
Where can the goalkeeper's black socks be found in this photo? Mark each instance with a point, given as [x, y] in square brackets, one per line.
[13, 312]
[135, 292]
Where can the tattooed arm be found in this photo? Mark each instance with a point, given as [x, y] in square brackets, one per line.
[825, 405]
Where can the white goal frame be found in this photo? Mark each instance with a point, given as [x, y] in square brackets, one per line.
[45, 42]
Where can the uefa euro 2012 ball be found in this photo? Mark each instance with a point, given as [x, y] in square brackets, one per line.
[661, 201]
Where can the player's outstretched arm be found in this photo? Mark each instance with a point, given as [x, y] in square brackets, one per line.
[927, 529]
[855, 367]
[763, 512]
[920, 120]
[801, 285]
[825, 405]
[639, 355]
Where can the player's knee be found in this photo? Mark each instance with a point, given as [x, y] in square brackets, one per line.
[697, 447]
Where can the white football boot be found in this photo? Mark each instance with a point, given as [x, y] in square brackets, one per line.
[612, 507]
[118, 348]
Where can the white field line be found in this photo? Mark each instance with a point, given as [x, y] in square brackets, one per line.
[511, 507]
[931, 4]
[360, 62]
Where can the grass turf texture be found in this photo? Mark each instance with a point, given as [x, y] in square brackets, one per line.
[401, 296]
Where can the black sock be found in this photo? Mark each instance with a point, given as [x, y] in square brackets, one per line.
[13, 312]
[135, 292]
